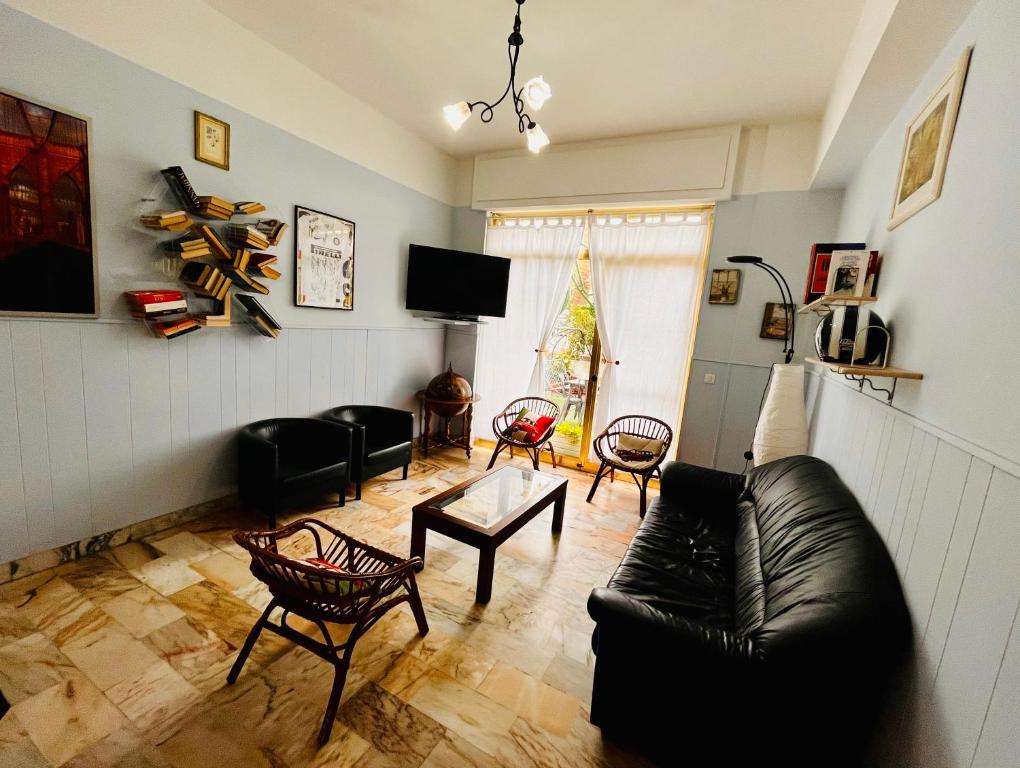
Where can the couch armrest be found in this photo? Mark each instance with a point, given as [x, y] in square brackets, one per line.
[258, 463]
[645, 624]
[685, 482]
[337, 439]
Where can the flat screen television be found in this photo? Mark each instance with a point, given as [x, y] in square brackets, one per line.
[456, 283]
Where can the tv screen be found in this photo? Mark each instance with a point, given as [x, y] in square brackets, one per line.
[456, 282]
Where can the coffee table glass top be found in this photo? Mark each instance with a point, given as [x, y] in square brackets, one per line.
[497, 495]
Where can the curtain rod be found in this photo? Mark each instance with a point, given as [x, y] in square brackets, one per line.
[523, 213]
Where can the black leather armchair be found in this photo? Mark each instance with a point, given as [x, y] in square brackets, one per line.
[381, 439]
[754, 617]
[282, 460]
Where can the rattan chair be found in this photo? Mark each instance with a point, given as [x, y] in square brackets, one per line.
[370, 583]
[642, 471]
[537, 406]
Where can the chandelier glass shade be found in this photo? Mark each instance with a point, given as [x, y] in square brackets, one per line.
[532, 95]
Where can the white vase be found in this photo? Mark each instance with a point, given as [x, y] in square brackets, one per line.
[782, 426]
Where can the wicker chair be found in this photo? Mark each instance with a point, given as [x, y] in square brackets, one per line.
[537, 406]
[361, 585]
[643, 470]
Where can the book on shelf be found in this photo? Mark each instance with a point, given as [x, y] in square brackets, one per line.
[244, 236]
[218, 318]
[246, 282]
[273, 229]
[248, 208]
[174, 328]
[152, 304]
[259, 260]
[258, 317]
[179, 184]
[212, 239]
[215, 207]
[270, 273]
[206, 279]
[848, 273]
[818, 267]
[188, 247]
[153, 296]
[171, 221]
[242, 256]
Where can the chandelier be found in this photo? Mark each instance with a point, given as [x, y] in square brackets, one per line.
[534, 93]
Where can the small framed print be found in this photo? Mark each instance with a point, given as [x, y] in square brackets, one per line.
[724, 287]
[773, 324]
[212, 141]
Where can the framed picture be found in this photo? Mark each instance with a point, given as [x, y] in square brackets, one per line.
[48, 264]
[323, 260]
[212, 141]
[724, 287]
[926, 147]
[773, 324]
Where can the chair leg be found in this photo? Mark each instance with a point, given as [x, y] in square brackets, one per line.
[357, 491]
[534, 456]
[343, 494]
[417, 608]
[552, 451]
[612, 474]
[644, 492]
[598, 477]
[405, 471]
[339, 680]
[249, 643]
[499, 449]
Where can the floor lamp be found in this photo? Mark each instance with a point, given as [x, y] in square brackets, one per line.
[782, 420]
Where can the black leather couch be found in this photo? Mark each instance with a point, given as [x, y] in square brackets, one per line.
[381, 439]
[753, 617]
[282, 461]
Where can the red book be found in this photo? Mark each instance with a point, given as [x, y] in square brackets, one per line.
[153, 297]
[818, 267]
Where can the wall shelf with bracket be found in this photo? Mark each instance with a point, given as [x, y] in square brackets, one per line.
[827, 302]
[862, 374]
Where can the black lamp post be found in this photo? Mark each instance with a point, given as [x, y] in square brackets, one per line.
[784, 291]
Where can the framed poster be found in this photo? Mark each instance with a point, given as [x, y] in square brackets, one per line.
[724, 287]
[47, 248]
[323, 260]
[773, 323]
[926, 146]
[212, 141]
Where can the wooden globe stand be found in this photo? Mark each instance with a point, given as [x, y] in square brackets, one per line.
[446, 409]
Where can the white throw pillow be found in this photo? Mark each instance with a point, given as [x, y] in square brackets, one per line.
[625, 442]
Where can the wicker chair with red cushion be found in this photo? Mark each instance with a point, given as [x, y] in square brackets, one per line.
[532, 437]
[324, 576]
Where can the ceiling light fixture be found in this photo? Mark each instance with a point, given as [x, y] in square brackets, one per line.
[534, 93]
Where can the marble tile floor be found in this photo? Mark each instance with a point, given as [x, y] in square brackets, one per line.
[120, 658]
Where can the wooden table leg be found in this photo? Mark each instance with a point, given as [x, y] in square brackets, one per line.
[558, 506]
[425, 432]
[467, 428]
[417, 539]
[486, 567]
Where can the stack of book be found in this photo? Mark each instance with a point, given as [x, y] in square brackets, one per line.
[262, 264]
[218, 318]
[242, 256]
[244, 236]
[272, 229]
[215, 207]
[246, 282]
[171, 221]
[248, 208]
[188, 247]
[206, 279]
[181, 187]
[150, 305]
[256, 314]
[173, 328]
[212, 239]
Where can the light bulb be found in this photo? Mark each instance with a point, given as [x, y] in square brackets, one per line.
[457, 114]
[537, 92]
[536, 138]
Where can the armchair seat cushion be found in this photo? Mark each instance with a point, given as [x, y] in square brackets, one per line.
[637, 466]
[393, 455]
[298, 469]
[681, 564]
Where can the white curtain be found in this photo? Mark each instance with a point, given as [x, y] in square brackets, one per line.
[510, 362]
[646, 273]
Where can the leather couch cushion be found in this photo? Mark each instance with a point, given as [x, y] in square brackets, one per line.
[681, 562]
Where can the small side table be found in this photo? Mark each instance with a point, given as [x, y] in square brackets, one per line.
[430, 407]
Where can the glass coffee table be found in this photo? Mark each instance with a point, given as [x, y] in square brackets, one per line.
[486, 511]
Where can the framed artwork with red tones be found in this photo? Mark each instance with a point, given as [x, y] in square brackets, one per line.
[47, 247]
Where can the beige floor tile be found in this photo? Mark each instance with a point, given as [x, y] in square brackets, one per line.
[189, 647]
[109, 655]
[31, 665]
[224, 570]
[16, 747]
[167, 575]
[184, 546]
[155, 701]
[142, 610]
[14, 624]
[124, 748]
[540, 703]
[68, 717]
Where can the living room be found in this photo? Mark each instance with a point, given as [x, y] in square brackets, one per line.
[491, 442]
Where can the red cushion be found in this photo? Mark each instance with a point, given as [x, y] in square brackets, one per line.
[542, 424]
[529, 429]
[323, 563]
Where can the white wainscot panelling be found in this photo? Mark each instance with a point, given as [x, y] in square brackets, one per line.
[951, 519]
[102, 425]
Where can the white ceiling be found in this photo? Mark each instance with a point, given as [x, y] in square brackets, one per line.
[616, 68]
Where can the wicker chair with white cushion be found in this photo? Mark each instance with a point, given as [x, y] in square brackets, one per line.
[636, 445]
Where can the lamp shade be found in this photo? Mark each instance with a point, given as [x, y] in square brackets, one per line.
[457, 114]
[782, 426]
[537, 92]
[536, 138]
